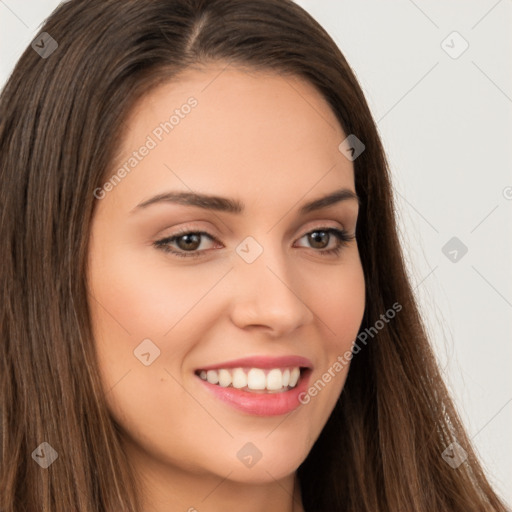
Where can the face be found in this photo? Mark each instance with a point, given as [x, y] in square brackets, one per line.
[253, 290]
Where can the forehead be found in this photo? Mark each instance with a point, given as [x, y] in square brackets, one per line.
[234, 131]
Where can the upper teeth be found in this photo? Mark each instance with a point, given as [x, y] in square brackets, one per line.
[253, 378]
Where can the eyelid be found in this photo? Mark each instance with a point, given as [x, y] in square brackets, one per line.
[191, 228]
[311, 226]
[322, 224]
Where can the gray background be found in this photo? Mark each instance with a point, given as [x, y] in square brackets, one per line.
[446, 124]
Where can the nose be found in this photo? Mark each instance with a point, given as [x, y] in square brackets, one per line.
[266, 296]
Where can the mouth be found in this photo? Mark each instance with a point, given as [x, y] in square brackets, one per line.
[254, 380]
[258, 385]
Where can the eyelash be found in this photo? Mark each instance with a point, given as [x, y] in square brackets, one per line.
[342, 236]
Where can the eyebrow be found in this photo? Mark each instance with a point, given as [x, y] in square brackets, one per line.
[224, 204]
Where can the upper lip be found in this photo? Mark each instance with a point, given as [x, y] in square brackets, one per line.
[262, 362]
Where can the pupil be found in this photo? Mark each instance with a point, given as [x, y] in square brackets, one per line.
[322, 235]
[191, 241]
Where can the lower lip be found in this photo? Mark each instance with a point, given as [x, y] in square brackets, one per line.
[261, 404]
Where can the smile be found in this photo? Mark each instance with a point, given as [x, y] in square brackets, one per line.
[274, 380]
[258, 385]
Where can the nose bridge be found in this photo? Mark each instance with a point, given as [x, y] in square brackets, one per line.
[267, 288]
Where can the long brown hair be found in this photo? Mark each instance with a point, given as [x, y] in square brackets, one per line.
[61, 121]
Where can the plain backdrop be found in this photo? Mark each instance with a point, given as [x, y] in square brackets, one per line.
[438, 80]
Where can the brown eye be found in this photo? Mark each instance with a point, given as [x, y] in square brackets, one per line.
[188, 242]
[184, 244]
[319, 239]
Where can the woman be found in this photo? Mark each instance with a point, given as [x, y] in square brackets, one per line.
[205, 302]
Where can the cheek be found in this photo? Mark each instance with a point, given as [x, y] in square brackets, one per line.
[138, 295]
[144, 294]
[339, 302]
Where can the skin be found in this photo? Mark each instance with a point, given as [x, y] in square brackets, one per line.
[270, 142]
